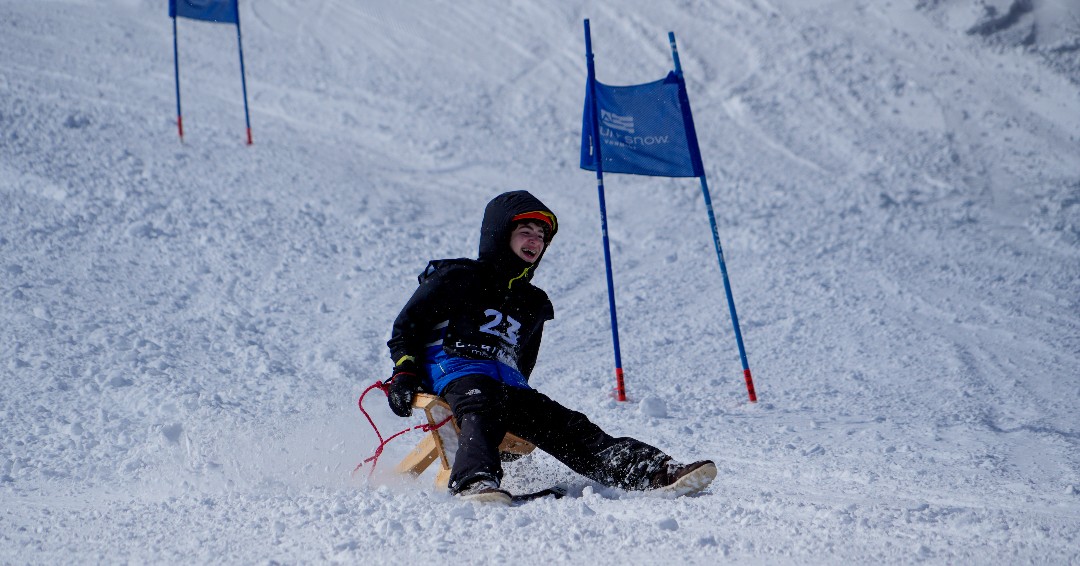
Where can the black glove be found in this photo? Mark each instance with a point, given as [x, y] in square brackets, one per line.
[403, 387]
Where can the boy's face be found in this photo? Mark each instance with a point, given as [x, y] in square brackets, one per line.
[527, 241]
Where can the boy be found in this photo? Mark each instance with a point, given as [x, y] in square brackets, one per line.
[471, 333]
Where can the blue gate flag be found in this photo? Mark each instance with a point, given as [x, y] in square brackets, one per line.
[221, 11]
[645, 129]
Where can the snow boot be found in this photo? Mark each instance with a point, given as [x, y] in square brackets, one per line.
[677, 479]
[485, 491]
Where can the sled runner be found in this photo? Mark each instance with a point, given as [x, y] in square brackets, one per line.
[441, 442]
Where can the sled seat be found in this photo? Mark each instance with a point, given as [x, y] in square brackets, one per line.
[441, 443]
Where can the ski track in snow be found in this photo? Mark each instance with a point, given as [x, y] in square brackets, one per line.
[187, 327]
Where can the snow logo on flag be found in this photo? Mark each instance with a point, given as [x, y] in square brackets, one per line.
[617, 122]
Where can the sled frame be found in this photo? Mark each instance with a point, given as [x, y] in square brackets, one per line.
[440, 443]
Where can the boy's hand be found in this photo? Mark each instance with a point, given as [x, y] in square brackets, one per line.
[403, 387]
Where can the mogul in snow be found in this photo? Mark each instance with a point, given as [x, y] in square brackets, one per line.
[471, 332]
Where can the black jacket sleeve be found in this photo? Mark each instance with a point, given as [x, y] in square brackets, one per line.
[527, 360]
[431, 303]
[530, 349]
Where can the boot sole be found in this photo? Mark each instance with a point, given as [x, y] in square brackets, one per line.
[493, 497]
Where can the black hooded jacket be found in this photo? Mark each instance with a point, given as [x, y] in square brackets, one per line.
[482, 309]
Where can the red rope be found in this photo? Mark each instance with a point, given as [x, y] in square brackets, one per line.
[374, 458]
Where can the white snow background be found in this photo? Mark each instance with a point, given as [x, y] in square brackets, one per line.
[185, 328]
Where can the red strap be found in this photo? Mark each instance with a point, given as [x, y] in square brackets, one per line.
[374, 459]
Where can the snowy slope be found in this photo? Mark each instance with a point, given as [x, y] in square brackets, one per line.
[186, 328]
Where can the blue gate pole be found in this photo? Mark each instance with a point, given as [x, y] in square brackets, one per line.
[176, 70]
[243, 81]
[719, 251]
[620, 386]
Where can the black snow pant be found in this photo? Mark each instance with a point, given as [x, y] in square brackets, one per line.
[486, 409]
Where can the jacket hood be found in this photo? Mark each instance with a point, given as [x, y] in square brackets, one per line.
[498, 225]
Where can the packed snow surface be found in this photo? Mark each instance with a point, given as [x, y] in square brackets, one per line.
[186, 328]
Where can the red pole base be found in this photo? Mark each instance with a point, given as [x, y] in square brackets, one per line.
[249, 136]
[180, 126]
[620, 386]
[750, 385]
